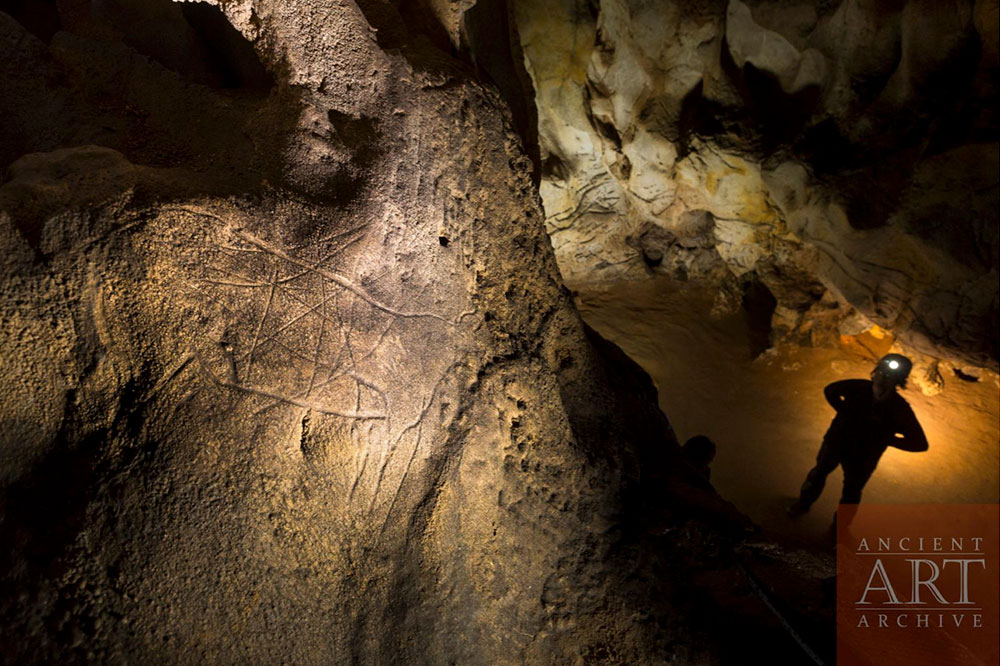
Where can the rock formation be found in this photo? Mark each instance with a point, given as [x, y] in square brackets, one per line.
[290, 375]
[843, 155]
[290, 371]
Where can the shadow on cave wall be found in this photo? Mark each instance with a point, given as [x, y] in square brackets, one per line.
[876, 141]
[194, 40]
[171, 86]
[490, 51]
[165, 84]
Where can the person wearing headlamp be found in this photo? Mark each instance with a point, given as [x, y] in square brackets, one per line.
[871, 416]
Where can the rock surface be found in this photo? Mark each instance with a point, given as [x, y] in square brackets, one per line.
[290, 375]
[841, 154]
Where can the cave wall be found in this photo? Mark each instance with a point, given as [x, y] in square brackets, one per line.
[290, 374]
[843, 155]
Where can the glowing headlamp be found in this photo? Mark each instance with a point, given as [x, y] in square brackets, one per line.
[896, 366]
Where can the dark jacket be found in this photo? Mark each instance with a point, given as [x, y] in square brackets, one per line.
[870, 424]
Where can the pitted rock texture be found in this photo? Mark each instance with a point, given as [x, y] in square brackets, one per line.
[289, 372]
[841, 154]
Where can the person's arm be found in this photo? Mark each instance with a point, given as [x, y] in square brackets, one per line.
[907, 433]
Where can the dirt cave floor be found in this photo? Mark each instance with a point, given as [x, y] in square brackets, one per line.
[768, 415]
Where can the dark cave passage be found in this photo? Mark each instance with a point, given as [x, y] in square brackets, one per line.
[767, 413]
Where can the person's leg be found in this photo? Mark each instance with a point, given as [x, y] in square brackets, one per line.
[856, 475]
[853, 485]
[850, 497]
[826, 461]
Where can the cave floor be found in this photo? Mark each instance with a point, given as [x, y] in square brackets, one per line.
[768, 415]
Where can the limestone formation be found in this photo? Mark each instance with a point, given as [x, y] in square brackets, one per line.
[844, 155]
[289, 372]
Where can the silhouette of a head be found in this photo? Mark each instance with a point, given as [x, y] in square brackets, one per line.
[890, 372]
[700, 450]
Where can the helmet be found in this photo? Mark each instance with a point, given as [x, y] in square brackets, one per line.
[896, 367]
